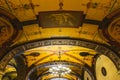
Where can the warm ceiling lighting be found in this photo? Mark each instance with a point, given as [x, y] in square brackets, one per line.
[59, 70]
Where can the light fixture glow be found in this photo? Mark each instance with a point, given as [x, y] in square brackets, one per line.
[59, 70]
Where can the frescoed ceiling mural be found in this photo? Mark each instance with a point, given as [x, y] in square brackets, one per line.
[28, 9]
[59, 39]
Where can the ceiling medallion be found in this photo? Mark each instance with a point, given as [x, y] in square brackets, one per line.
[59, 70]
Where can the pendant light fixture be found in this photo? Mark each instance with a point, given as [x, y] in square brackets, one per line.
[59, 69]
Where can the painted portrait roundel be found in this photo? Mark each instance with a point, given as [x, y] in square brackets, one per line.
[9, 26]
[6, 30]
[110, 27]
[114, 29]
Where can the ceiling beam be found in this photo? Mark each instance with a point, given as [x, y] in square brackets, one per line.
[88, 21]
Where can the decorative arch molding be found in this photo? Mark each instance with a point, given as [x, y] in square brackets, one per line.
[53, 78]
[53, 63]
[73, 74]
[8, 75]
[100, 48]
[88, 73]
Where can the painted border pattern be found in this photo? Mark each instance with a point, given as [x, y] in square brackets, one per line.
[73, 42]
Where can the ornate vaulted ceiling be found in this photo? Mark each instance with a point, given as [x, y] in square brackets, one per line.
[30, 45]
[95, 9]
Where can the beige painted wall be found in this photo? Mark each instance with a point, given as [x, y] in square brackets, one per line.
[111, 70]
